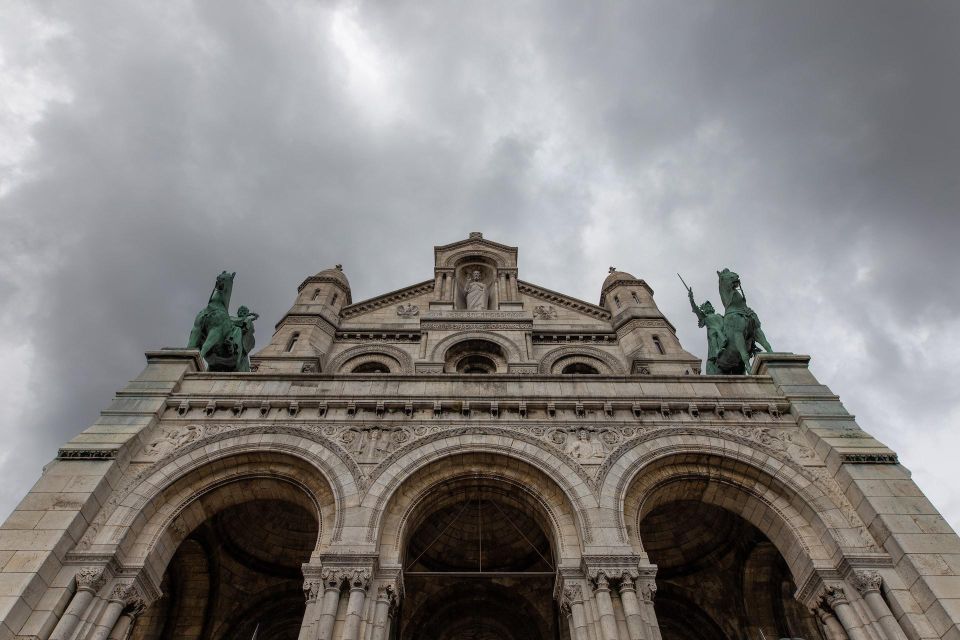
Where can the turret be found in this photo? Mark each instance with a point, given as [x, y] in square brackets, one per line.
[303, 337]
[645, 335]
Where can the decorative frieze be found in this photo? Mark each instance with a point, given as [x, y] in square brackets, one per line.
[87, 454]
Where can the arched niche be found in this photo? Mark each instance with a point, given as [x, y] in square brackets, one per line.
[480, 269]
[475, 355]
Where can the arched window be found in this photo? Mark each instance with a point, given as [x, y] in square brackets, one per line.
[658, 345]
[635, 298]
[476, 364]
[333, 300]
[616, 299]
[371, 367]
[292, 342]
[316, 294]
[579, 368]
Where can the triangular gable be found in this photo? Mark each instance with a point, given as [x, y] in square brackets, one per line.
[387, 299]
[591, 311]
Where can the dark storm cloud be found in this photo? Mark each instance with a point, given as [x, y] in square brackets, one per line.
[811, 146]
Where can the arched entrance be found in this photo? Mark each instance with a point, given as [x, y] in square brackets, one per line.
[239, 570]
[718, 576]
[479, 564]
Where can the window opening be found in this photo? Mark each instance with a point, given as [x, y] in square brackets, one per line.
[658, 345]
[291, 343]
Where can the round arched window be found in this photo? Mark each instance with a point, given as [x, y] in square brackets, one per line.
[371, 367]
[579, 368]
[476, 364]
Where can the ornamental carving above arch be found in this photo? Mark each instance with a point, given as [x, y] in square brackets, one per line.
[398, 360]
[512, 350]
[605, 362]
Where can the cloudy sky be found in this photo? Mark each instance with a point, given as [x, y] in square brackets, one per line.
[812, 146]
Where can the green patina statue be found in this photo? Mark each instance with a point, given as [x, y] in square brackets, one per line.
[731, 338]
[224, 342]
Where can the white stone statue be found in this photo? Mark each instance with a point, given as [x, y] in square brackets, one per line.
[476, 293]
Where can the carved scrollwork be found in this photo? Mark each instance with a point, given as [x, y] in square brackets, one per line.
[90, 579]
[866, 581]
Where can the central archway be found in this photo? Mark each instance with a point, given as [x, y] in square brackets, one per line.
[478, 563]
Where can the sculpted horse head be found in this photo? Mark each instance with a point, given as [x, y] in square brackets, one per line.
[222, 289]
[730, 293]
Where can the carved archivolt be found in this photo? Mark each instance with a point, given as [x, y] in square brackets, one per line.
[512, 351]
[454, 259]
[396, 359]
[554, 361]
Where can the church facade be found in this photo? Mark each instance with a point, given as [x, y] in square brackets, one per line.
[476, 457]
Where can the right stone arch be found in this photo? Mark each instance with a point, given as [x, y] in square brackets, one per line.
[730, 542]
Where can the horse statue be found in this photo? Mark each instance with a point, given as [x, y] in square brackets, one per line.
[224, 342]
[732, 337]
[741, 327]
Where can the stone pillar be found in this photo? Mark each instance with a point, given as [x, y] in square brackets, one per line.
[358, 581]
[122, 596]
[648, 590]
[831, 626]
[836, 599]
[573, 596]
[89, 580]
[386, 597]
[128, 619]
[608, 622]
[631, 608]
[868, 583]
[311, 588]
[332, 580]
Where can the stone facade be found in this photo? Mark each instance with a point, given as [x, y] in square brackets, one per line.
[476, 456]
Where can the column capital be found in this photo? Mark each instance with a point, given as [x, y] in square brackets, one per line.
[311, 587]
[357, 578]
[834, 596]
[90, 579]
[600, 580]
[647, 589]
[127, 594]
[866, 581]
[626, 581]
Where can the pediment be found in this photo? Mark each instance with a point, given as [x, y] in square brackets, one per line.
[567, 308]
[447, 256]
[418, 295]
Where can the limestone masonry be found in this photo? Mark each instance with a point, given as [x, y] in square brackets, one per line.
[476, 457]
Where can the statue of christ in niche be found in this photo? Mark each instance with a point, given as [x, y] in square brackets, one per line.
[476, 293]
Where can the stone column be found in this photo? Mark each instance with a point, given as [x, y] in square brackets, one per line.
[358, 581]
[311, 588]
[386, 597]
[573, 594]
[128, 618]
[332, 580]
[608, 622]
[122, 596]
[836, 599]
[648, 590]
[631, 607]
[868, 583]
[89, 580]
[831, 626]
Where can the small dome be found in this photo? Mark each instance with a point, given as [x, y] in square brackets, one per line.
[337, 273]
[616, 276]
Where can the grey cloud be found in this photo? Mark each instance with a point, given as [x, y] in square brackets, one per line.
[812, 146]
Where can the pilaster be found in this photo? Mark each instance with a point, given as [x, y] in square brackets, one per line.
[924, 590]
[51, 519]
